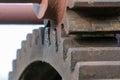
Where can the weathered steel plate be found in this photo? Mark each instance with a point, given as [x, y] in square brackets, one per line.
[80, 23]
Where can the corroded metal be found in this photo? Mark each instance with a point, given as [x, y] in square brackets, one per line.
[47, 9]
[101, 61]
[51, 9]
[81, 19]
[73, 57]
[81, 16]
[80, 23]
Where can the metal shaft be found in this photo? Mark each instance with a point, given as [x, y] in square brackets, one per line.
[20, 1]
[18, 14]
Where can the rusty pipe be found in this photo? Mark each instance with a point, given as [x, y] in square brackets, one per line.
[44, 9]
[51, 9]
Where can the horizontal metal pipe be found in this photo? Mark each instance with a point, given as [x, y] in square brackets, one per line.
[19, 1]
[18, 14]
[94, 3]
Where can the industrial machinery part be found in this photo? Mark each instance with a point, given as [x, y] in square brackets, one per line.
[78, 42]
[76, 58]
[18, 14]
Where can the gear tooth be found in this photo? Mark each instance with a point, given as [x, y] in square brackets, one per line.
[10, 75]
[92, 54]
[35, 37]
[41, 35]
[35, 31]
[38, 36]
[18, 53]
[24, 46]
[69, 43]
[76, 51]
[29, 39]
[19, 57]
[98, 70]
[24, 43]
[29, 36]
[14, 65]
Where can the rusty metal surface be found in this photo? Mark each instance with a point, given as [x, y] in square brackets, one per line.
[80, 23]
[51, 9]
[63, 52]
[93, 3]
[47, 9]
[18, 14]
[54, 11]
